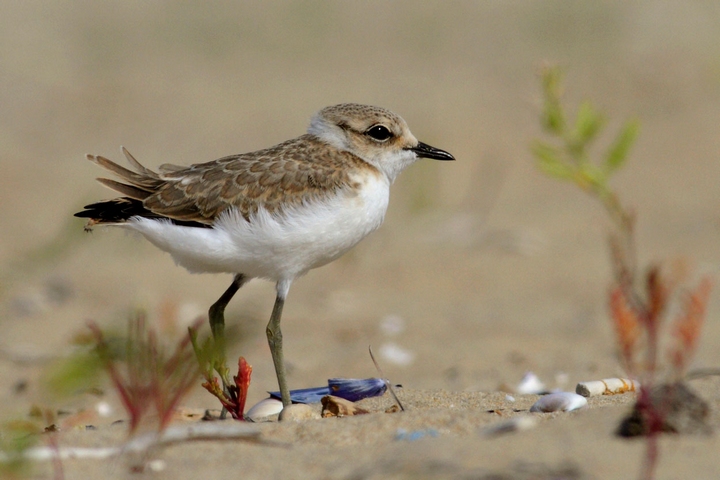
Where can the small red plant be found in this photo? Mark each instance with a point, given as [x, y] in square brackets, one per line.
[688, 325]
[143, 374]
[232, 397]
[634, 317]
[210, 357]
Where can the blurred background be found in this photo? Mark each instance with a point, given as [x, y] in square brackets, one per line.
[484, 269]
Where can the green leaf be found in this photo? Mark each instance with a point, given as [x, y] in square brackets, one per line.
[549, 161]
[618, 152]
[588, 123]
[553, 117]
[74, 374]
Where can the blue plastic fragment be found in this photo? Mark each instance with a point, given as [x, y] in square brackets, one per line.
[402, 434]
[352, 389]
[305, 395]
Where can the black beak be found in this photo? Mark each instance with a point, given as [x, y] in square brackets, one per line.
[423, 150]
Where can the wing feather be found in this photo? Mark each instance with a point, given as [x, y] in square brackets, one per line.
[290, 173]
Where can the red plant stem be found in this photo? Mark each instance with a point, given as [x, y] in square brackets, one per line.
[651, 457]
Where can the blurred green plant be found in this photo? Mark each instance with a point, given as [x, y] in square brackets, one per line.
[638, 306]
[16, 437]
[567, 157]
[20, 436]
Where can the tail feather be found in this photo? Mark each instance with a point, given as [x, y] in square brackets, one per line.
[117, 210]
[144, 178]
[120, 210]
[137, 165]
[140, 185]
[129, 190]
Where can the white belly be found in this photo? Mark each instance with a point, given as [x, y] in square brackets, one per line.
[275, 247]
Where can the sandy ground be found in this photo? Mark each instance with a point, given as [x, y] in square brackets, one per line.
[484, 269]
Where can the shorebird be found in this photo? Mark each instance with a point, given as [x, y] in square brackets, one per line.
[275, 213]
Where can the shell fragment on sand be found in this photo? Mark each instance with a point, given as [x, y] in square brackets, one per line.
[607, 386]
[559, 402]
[530, 384]
[339, 407]
[352, 389]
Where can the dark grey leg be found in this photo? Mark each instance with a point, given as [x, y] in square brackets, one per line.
[217, 323]
[274, 336]
[217, 310]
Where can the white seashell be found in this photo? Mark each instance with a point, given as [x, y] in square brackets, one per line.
[530, 384]
[395, 354]
[509, 398]
[607, 386]
[261, 411]
[103, 409]
[559, 402]
[156, 465]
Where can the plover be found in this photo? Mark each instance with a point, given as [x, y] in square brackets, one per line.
[275, 213]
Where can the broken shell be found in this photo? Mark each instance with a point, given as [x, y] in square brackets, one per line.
[339, 407]
[261, 411]
[304, 395]
[530, 384]
[352, 389]
[559, 402]
[607, 386]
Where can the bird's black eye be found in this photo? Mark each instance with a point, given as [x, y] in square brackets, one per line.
[379, 133]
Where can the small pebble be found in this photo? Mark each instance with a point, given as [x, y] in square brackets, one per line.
[298, 412]
[683, 412]
[156, 465]
[559, 402]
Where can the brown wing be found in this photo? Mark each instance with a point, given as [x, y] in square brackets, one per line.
[287, 174]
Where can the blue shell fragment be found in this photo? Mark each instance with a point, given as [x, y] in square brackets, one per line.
[304, 395]
[355, 389]
[352, 389]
